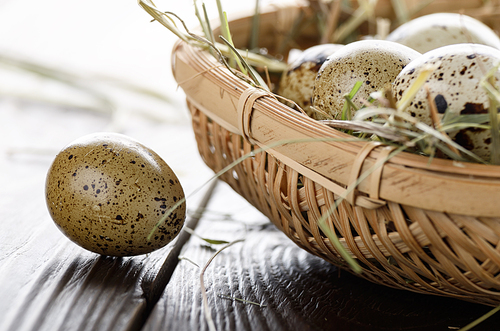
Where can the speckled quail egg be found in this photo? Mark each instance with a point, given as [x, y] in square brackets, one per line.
[297, 81]
[454, 85]
[374, 62]
[440, 29]
[106, 192]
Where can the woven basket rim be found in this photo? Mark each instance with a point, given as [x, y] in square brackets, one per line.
[472, 178]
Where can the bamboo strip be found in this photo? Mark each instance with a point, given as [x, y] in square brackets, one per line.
[429, 227]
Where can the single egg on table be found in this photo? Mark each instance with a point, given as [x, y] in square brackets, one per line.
[107, 192]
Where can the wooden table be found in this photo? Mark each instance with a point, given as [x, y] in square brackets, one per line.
[49, 283]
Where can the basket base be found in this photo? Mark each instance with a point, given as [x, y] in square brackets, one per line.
[391, 249]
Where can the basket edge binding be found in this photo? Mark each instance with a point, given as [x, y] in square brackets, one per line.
[407, 179]
[438, 253]
[405, 245]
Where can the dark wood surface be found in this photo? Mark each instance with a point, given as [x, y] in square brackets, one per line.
[297, 291]
[49, 283]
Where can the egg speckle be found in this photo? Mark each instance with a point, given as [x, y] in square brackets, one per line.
[440, 29]
[453, 86]
[297, 82]
[106, 192]
[373, 62]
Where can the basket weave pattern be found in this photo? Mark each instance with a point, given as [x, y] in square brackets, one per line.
[442, 254]
[427, 244]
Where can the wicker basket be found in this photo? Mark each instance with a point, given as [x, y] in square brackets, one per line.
[429, 227]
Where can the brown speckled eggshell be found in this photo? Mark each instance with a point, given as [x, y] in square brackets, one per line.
[297, 81]
[454, 85]
[374, 62]
[106, 192]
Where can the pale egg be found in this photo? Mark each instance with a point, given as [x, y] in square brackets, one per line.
[440, 29]
[375, 63]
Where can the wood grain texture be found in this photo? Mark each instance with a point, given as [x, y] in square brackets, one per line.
[49, 283]
[46, 281]
[299, 291]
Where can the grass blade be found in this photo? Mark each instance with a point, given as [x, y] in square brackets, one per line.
[202, 21]
[488, 84]
[258, 80]
[481, 319]
[209, 27]
[254, 34]
[252, 59]
[206, 308]
[348, 104]
[401, 11]
[360, 15]
[207, 240]
[226, 33]
[241, 300]
[410, 93]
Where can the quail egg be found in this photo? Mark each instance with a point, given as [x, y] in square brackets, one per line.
[454, 86]
[440, 29]
[297, 82]
[107, 192]
[374, 62]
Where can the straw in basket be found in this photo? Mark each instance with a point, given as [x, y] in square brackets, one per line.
[429, 227]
